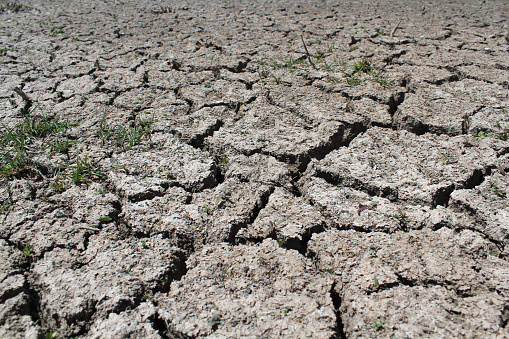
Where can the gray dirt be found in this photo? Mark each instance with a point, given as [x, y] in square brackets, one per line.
[254, 169]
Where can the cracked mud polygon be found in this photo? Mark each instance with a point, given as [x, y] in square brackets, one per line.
[258, 169]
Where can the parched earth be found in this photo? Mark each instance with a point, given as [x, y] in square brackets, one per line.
[258, 169]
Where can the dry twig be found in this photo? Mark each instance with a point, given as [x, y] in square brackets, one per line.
[395, 28]
[307, 52]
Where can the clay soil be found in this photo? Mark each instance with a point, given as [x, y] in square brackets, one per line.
[254, 169]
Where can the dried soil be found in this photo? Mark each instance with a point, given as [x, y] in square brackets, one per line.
[258, 169]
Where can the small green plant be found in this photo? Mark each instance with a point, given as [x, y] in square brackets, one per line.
[447, 159]
[222, 197]
[286, 310]
[131, 135]
[482, 194]
[211, 87]
[484, 254]
[60, 146]
[378, 326]
[330, 48]
[363, 207]
[105, 219]
[276, 64]
[291, 63]
[332, 79]
[166, 174]
[263, 75]
[382, 80]
[4, 50]
[16, 152]
[320, 56]
[354, 80]
[224, 163]
[363, 66]
[28, 250]
[55, 31]
[403, 220]
[59, 183]
[504, 135]
[481, 134]
[277, 79]
[42, 126]
[104, 133]
[100, 190]
[272, 227]
[147, 298]
[376, 281]
[331, 271]
[374, 249]
[144, 244]
[214, 321]
[494, 188]
[125, 137]
[327, 67]
[82, 172]
[339, 63]
[50, 335]
[5, 205]
[19, 143]
[505, 131]
[116, 165]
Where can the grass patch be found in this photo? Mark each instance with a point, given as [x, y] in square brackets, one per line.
[354, 74]
[55, 31]
[38, 134]
[4, 50]
[125, 137]
[363, 71]
[503, 136]
[76, 172]
[30, 137]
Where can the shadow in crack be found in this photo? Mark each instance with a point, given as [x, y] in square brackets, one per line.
[336, 300]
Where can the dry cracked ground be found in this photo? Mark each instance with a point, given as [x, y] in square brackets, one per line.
[258, 169]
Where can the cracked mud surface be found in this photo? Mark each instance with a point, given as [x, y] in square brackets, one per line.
[330, 169]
